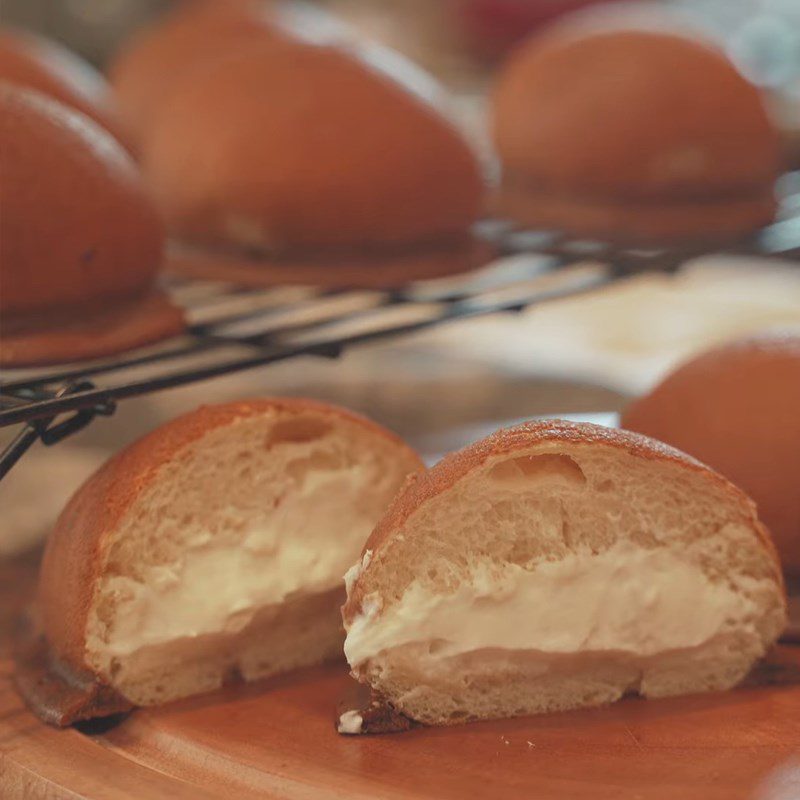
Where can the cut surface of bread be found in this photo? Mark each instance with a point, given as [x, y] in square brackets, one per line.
[214, 548]
[559, 565]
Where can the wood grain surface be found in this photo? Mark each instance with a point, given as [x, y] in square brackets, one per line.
[277, 739]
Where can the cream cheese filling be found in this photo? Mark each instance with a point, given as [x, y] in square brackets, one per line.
[628, 598]
[302, 547]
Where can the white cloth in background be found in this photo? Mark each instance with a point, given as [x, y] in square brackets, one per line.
[627, 336]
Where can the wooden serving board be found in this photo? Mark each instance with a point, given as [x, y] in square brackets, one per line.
[277, 740]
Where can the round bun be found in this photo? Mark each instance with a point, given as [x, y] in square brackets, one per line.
[785, 107]
[679, 146]
[557, 565]
[310, 152]
[45, 66]
[81, 241]
[737, 408]
[293, 485]
[147, 67]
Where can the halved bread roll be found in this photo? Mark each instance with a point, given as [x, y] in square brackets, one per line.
[211, 549]
[558, 565]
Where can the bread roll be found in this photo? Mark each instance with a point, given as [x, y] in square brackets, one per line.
[737, 408]
[81, 242]
[784, 105]
[610, 127]
[34, 62]
[211, 549]
[155, 58]
[557, 565]
[310, 156]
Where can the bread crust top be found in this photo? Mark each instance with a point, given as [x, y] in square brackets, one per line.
[148, 64]
[652, 144]
[311, 147]
[78, 229]
[737, 406]
[38, 63]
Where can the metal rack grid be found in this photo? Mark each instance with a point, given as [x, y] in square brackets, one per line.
[232, 329]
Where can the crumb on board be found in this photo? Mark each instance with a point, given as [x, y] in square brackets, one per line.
[350, 723]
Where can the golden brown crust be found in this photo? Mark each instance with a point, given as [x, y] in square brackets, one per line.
[421, 488]
[76, 225]
[308, 147]
[41, 64]
[736, 407]
[95, 334]
[81, 242]
[147, 67]
[381, 270]
[692, 220]
[626, 135]
[377, 714]
[72, 560]
[57, 693]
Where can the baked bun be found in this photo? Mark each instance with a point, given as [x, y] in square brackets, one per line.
[145, 70]
[557, 565]
[81, 243]
[610, 127]
[784, 104]
[45, 66]
[212, 548]
[737, 408]
[312, 157]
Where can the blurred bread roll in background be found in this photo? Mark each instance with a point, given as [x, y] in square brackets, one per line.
[618, 124]
[148, 65]
[34, 62]
[310, 151]
[81, 241]
[785, 107]
[737, 408]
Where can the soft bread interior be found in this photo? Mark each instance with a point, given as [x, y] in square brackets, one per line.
[559, 576]
[230, 564]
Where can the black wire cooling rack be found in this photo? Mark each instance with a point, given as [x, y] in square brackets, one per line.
[233, 329]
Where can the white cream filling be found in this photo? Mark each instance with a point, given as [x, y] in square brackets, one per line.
[628, 598]
[350, 723]
[303, 547]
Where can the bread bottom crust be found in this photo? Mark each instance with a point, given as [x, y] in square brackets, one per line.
[44, 340]
[493, 683]
[378, 269]
[696, 220]
[59, 693]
